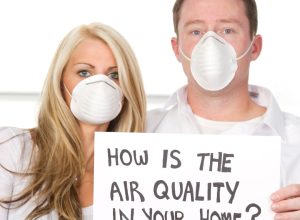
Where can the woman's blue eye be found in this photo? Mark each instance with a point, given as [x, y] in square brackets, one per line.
[113, 75]
[84, 73]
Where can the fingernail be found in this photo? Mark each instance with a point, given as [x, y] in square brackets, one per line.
[274, 197]
[274, 206]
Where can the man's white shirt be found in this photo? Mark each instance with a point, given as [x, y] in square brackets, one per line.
[177, 117]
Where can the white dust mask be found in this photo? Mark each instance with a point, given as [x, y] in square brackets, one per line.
[96, 100]
[213, 62]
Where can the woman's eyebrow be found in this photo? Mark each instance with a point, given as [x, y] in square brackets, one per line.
[87, 64]
[112, 68]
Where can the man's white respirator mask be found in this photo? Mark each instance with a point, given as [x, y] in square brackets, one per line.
[213, 61]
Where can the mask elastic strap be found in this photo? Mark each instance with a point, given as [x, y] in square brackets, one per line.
[183, 54]
[247, 51]
[68, 91]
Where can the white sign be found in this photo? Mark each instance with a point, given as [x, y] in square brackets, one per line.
[140, 176]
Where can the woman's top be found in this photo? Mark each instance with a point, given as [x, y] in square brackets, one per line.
[15, 151]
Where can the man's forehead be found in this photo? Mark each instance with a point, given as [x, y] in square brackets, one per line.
[212, 11]
[215, 8]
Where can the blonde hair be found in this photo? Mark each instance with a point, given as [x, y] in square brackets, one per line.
[58, 158]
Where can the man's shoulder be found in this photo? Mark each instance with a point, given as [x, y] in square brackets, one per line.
[154, 117]
[157, 112]
[292, 121]
[292, 129]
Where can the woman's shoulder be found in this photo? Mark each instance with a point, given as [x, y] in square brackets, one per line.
[10, 133]
[15, 147]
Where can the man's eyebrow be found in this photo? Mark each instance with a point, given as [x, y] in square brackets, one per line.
[197, 21]
[225, 20]
[230, 21]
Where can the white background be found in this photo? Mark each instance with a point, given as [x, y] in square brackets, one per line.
[31, 31]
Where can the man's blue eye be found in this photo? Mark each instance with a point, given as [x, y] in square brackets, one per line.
[84, 73]
[228, 31]
[196, 33]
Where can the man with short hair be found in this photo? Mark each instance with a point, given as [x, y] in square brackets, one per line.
[216, 42]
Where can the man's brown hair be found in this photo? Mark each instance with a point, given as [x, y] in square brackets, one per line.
[251, 13]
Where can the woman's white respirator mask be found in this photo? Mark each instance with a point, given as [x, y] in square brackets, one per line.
[96, 100]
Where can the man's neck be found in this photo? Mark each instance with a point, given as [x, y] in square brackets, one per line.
[226, 105]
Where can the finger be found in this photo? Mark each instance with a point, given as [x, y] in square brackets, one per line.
[286, 192]
[286, 205]
[288, 216]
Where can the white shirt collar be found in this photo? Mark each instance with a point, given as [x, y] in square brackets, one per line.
[273, 117]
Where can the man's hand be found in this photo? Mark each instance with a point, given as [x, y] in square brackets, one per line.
[286, 203]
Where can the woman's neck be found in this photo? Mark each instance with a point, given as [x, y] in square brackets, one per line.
[88, 134]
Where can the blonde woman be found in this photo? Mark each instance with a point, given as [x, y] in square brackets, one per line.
[94, 84]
